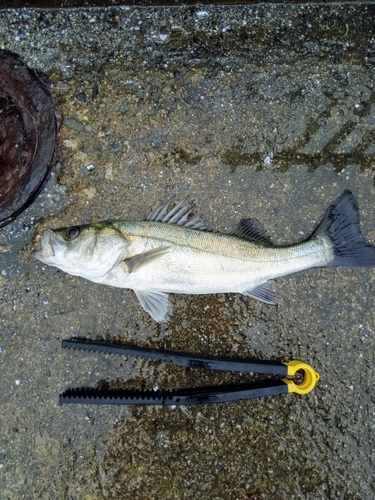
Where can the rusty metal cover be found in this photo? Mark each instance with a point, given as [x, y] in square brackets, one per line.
[28, 135]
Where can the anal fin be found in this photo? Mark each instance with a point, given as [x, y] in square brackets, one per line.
[155, 303]
[263, 293]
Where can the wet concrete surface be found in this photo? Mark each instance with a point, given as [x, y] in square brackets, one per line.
[258, 111]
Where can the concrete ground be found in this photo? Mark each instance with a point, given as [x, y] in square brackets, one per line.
[264, 111]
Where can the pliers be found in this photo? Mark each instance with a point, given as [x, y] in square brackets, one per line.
[195, 395]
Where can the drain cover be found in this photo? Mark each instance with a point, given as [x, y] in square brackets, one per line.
[28, 136]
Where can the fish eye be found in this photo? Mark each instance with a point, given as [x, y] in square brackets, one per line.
[71, 233]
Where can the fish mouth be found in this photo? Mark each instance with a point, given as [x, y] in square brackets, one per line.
[49, 245]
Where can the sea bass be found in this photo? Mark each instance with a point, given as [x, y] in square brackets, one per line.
[173, 252]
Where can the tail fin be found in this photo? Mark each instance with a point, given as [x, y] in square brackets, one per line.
[341, 225]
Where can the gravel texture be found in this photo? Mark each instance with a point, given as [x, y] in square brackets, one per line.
[265, 111]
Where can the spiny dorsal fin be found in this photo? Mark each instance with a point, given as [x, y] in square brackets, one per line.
[252, 230]
[178, 214]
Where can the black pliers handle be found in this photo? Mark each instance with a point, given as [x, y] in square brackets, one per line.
[196, 395]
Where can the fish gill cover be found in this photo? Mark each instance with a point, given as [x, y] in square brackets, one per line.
[28, 136]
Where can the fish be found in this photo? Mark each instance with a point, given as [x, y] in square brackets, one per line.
[173, 251]
[4, 248]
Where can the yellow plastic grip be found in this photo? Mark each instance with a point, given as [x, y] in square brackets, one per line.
[310, 379]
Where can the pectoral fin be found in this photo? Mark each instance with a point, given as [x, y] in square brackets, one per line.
[155, 303]
[263, 293]
[140, 259]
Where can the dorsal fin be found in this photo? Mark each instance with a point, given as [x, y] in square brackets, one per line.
[178, 214]
[252, 230]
